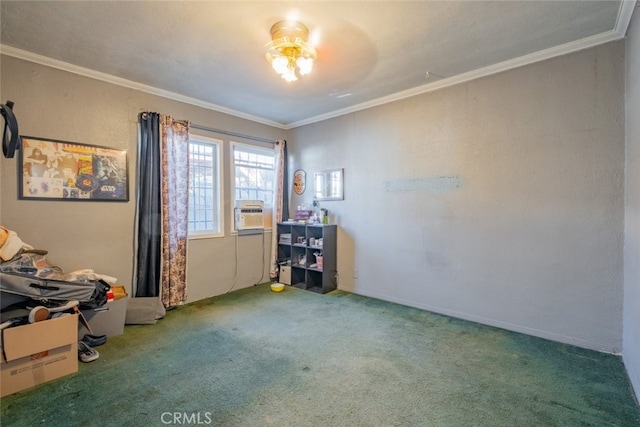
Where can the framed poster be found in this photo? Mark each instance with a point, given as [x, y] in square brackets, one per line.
[299, 181]
[61, 170]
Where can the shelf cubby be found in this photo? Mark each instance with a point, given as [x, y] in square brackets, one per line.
[300, 251]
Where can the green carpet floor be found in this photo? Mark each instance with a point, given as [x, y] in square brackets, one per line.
[258, 358]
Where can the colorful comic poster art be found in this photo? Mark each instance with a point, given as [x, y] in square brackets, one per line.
[59, 170]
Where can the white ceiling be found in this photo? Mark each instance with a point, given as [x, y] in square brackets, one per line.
[212, 53]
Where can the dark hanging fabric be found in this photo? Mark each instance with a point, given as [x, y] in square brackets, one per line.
[149, 214]
[285, 184]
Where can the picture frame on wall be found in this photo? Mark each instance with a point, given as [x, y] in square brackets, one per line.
[299, 181]
[61, 170]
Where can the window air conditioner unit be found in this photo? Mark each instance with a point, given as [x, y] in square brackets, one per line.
[249, 214]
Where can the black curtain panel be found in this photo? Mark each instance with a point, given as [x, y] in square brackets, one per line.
[148, 216]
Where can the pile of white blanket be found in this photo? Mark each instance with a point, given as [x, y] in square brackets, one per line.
[10, 244]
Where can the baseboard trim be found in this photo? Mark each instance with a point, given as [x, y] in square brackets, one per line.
[578, 342]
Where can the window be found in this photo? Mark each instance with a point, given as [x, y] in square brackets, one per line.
[204, 187]
[254, 176]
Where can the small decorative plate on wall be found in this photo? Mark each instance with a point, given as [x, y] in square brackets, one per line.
[299, 181]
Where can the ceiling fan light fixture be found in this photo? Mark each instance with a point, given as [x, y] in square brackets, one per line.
[289, 50]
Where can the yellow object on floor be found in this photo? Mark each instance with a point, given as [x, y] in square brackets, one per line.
[277, 287]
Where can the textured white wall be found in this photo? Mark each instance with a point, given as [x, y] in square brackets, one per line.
[55, 104]
[499, 200]
[631, 324]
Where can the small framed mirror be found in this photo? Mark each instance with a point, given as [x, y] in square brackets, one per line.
[328, 184]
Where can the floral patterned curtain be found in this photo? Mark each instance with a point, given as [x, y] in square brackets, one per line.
[174, 144]
[161, 208]
[280, 202]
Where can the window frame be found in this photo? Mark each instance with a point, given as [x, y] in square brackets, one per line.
[218, 144]
[268, 209]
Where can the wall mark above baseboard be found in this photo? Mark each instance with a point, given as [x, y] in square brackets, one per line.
[431, 184]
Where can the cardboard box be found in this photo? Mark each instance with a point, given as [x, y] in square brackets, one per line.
[37, 353]
[106, 320]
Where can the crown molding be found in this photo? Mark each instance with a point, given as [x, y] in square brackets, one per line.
[622, 23]
[624, 16]
[86, 72]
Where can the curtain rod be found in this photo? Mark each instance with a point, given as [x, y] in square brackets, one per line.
[239, 135]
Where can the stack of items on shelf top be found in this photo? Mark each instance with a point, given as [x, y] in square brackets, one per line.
[305, 216]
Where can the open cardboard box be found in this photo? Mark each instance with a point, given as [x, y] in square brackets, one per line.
[37, 353]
